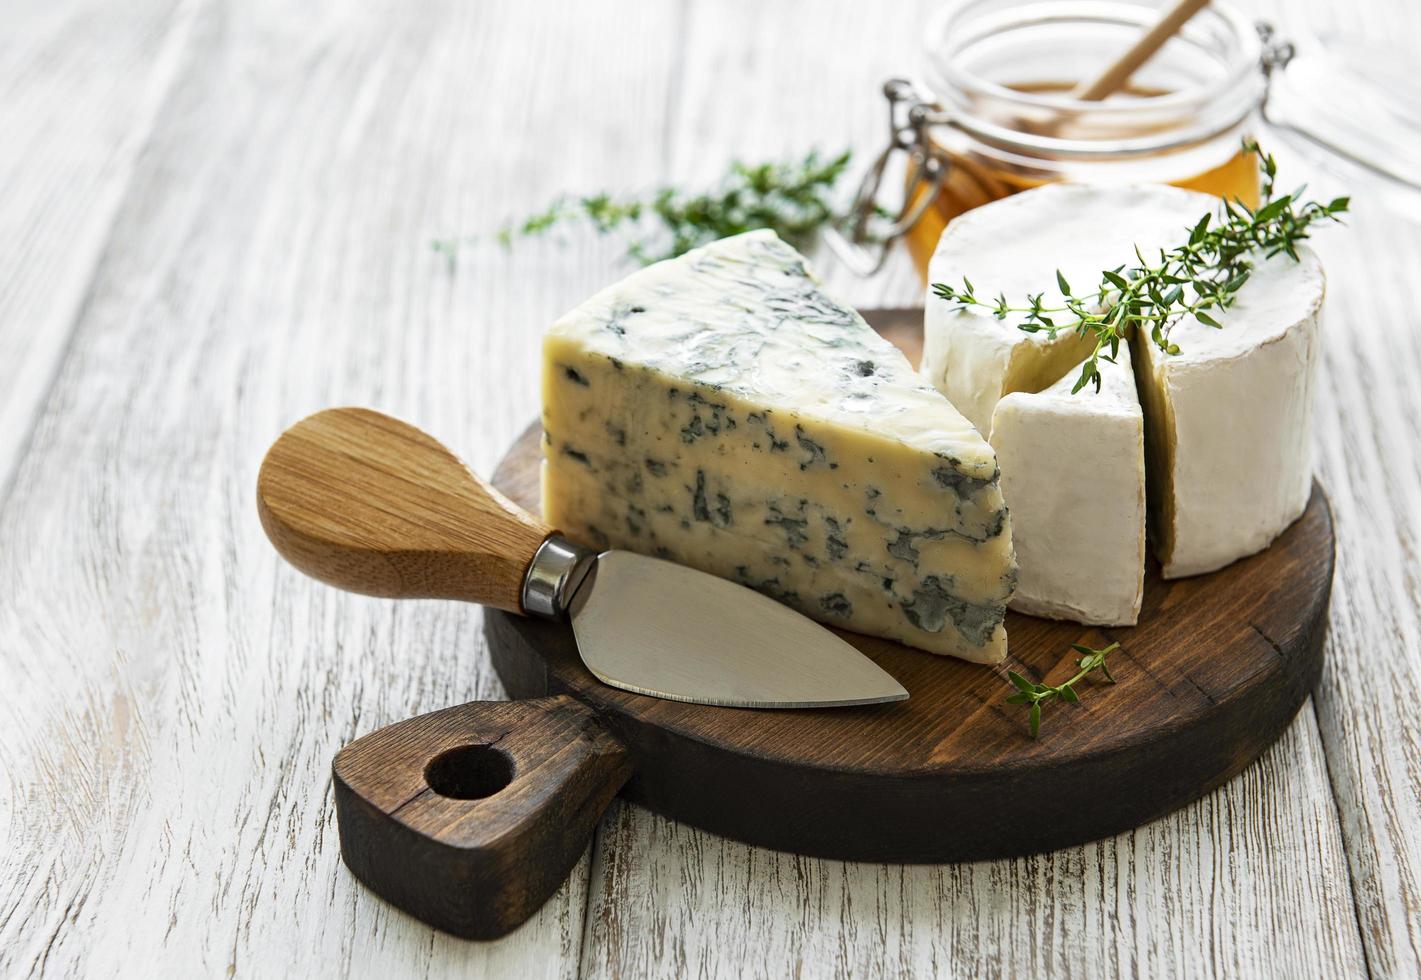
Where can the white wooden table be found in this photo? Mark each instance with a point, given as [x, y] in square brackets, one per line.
[215, 218]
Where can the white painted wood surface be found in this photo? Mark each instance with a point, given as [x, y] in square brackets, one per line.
[81, 87]
[215, 218]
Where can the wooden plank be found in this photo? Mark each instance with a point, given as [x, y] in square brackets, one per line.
[771, 81]
[1370, 460]
[174, 693]
[1251, 880]
[1248, 882]
[80, 86]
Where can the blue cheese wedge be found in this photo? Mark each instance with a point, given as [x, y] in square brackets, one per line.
[1073, 472]
[721, 411]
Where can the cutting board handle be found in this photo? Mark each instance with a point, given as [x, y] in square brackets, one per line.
[471, 817]
[370, 504]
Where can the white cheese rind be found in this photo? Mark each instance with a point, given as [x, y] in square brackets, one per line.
[721, 411]
[1014, 246]
[1073, 474]
[1229, 420]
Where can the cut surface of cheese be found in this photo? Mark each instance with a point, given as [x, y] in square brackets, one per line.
[720, 410]
[1073, 474]
[1014, 247]
[1229, 419]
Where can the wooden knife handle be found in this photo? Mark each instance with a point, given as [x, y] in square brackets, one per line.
[369, 504]
[471, 817]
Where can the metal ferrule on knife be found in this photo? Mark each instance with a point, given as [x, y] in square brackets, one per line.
[553, 577]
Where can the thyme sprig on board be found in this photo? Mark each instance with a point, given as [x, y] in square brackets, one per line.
[1202, 274]
[1029, 692]
[793, 198]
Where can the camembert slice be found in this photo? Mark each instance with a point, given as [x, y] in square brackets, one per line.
[1229, 419]
[720, 410]
[1073, 473]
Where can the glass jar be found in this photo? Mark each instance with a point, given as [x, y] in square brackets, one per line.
[992, 113]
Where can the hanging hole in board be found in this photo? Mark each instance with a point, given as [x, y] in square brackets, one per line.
[469, 772]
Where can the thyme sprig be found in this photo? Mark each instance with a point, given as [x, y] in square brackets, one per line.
[1205, 273]
[793, 198]
[1029, 692]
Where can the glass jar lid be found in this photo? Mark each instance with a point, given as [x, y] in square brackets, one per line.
[1003, 70]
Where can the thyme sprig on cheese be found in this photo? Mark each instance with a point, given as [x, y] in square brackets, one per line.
[792, 198]
[1202, 274]
[1029, 692]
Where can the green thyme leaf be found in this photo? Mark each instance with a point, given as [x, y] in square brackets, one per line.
[1206, 272]
[1022, 684]
[793, 198]
[1035, 695]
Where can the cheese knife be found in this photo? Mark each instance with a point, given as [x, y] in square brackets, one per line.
[373, 505]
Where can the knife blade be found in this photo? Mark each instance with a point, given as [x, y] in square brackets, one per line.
[373, 505]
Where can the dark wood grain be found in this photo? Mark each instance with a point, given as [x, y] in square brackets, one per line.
[471, 817]
[1210, 677]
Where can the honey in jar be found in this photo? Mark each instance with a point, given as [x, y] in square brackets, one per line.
[972, 178]
[993, 112]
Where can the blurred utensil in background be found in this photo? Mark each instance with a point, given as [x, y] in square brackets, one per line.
[1353, 108]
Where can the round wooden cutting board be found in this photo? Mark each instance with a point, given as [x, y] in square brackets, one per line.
[1213, 673]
